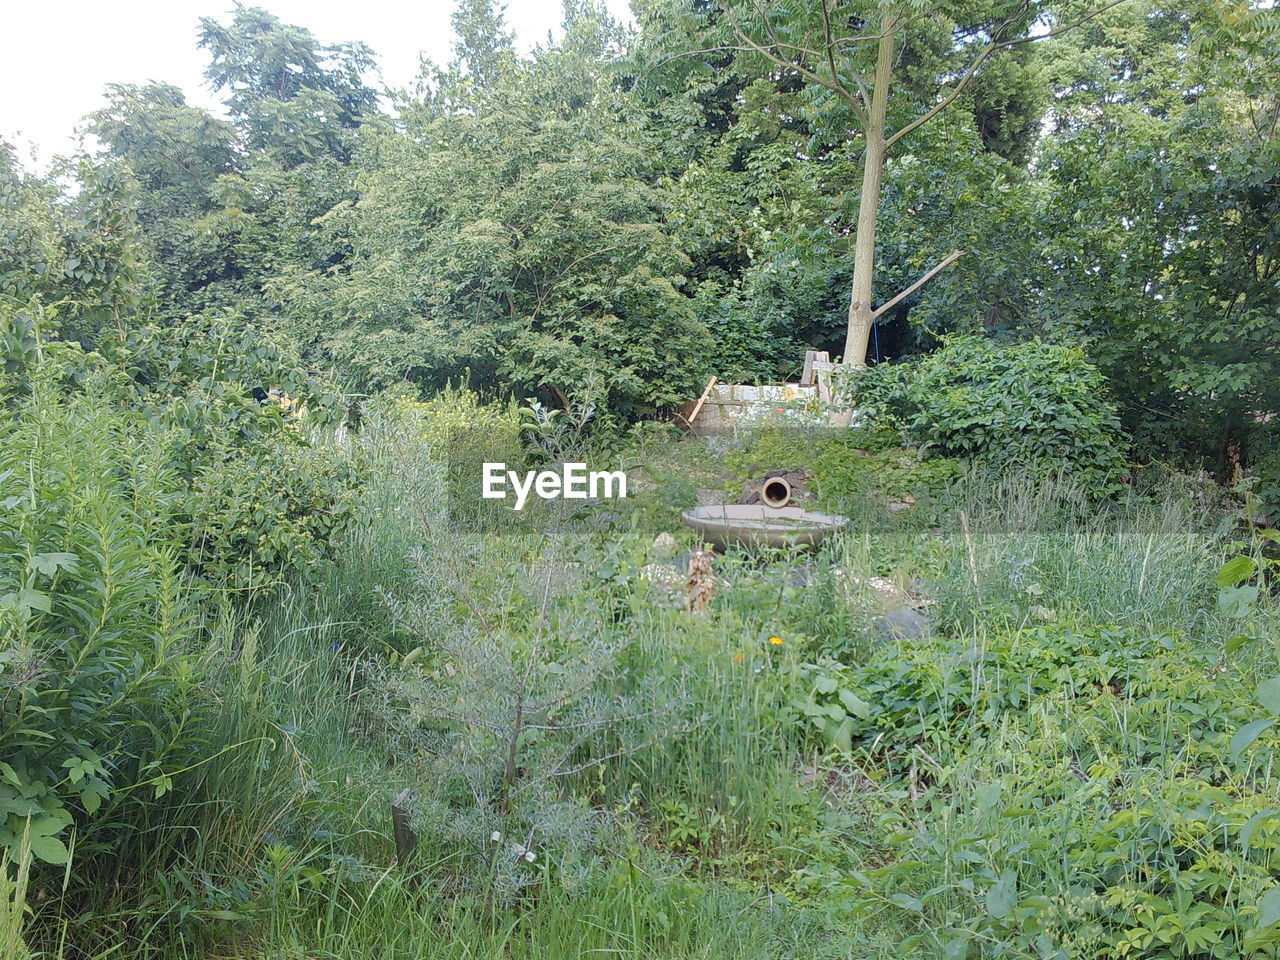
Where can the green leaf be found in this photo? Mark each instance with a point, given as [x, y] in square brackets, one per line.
[906, 902]
[51, 563]
[1236, 570]
[1237, 602]
[855, 704]
[34, 600]
[957, 948]
[987, 796]
[842, 736]
[1246, 735]
[1246, 832]
[1269, 907]
[1268, 694]
[50, 850]
[1236, 642]
[1003, 895]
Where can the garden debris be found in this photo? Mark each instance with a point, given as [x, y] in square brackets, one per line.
[722, 408]
[897, 506]
[674, 572]
[702, 581]
[902, 609]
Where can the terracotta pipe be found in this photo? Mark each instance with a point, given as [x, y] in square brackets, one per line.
[775, 492]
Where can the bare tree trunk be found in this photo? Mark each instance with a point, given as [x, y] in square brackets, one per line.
[864, 249]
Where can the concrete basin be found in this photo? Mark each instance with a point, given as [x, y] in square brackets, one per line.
[729, 525]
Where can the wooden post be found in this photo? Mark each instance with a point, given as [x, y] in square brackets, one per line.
[806, 377]
[406, 839]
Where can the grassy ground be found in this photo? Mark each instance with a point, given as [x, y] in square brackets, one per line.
[592, 770]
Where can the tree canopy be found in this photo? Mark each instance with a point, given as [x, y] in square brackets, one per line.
[626, 211]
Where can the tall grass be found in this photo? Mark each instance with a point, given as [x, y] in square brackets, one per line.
[721, 829]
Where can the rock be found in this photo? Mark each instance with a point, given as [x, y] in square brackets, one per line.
[664, 547]
[903, 623]
[906, 503]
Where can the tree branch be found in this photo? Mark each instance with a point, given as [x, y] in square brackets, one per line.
[834, 85]
[889, 305]
[829, 40]
[981, 58]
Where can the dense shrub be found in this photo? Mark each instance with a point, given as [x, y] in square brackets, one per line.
[269, 511]
[99, 704]
[1036, 406]
[1074, 793]
[258, 495]
[456, 432]
[1268, 470]
[457, 425]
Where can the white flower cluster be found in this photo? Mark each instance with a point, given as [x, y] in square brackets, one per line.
[518, 850]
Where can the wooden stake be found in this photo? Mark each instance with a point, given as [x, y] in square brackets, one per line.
[406, 839]
[697, 409]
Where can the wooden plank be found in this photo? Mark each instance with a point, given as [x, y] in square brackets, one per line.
[697, 409]
[822, 370]
[806, 377]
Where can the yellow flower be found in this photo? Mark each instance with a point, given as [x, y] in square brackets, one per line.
[737, 658]
[775, 641]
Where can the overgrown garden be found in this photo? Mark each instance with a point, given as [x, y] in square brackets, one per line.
[273, 683]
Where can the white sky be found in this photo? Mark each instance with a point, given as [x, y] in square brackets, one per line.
[56, 60]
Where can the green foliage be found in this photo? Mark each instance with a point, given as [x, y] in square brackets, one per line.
[253, 490]
[102, 709]
[539, 259]
[917, 691]
[853, 470]
[1160, 226]
[503, 702]
[268, 511]
[447, 420]
[295, 98]
[1052, 822]
[1268, 472]
[28, 232]
[454, 433]
[599, 226]
[13, 903]
[1033, 406]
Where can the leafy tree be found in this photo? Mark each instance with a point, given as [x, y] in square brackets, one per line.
[484, 46]
[870, 64]
[177, 153]
[294, 98]
[1161, 223]
[82, 252]
[515, 234]
[28, 231]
